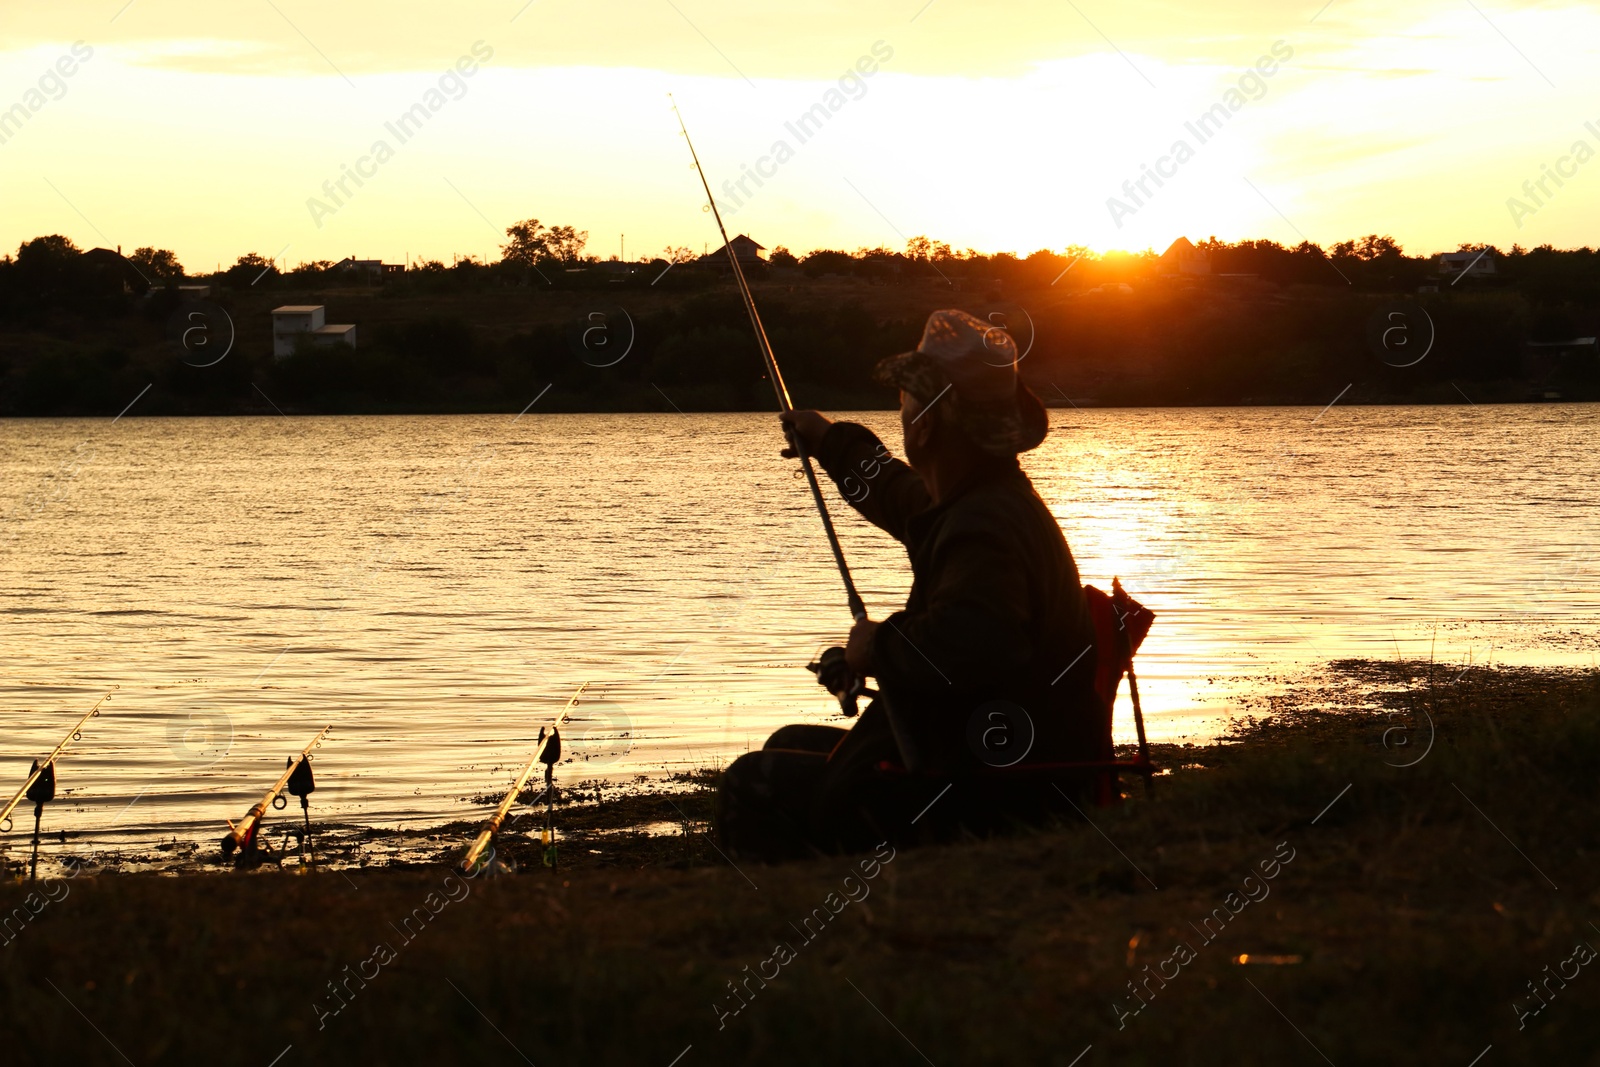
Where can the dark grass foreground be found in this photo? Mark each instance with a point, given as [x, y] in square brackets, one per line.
[1407, 911]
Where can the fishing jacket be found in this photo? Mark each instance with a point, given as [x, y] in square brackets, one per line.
[997, 619]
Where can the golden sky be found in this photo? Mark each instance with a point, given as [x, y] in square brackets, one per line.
[217, 129]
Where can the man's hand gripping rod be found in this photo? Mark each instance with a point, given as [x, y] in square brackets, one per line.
[847, 693]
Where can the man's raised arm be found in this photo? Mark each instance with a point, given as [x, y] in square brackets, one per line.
[885, 490]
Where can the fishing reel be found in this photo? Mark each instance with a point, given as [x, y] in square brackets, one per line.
[835, 675]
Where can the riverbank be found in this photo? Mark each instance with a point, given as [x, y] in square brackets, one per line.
[1380, 866]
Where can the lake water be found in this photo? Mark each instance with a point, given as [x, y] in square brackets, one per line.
[435, 587]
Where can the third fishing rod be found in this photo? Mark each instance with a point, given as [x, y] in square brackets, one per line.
[478, 854]
[858, 609]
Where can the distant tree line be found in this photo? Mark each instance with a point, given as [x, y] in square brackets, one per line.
[82, 333]
[54, 269]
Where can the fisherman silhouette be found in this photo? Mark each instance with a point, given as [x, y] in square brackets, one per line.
[992, 659]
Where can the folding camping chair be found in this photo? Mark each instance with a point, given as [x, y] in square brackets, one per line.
[1120, 625]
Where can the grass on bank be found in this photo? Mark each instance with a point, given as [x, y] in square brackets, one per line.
[1437, 869]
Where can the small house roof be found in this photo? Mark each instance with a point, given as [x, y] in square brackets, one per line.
[742, 242]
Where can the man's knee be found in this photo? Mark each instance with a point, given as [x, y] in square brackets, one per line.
[762, 803]
[749, 775]
[806, 737]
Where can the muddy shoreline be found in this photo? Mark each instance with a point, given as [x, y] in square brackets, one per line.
[1377, 863]
[667, 821]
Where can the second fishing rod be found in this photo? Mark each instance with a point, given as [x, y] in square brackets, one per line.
[846, 690]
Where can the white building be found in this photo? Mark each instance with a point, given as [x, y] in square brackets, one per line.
[294, 321]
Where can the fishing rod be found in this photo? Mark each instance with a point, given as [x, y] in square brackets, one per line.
[298, 779]
[40, 786]
[858, 608]
[45, 768]
[851, 689]
[548, 752]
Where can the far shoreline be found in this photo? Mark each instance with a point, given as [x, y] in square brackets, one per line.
[1080, 405]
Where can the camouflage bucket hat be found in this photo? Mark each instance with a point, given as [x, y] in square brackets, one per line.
[971, 365]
